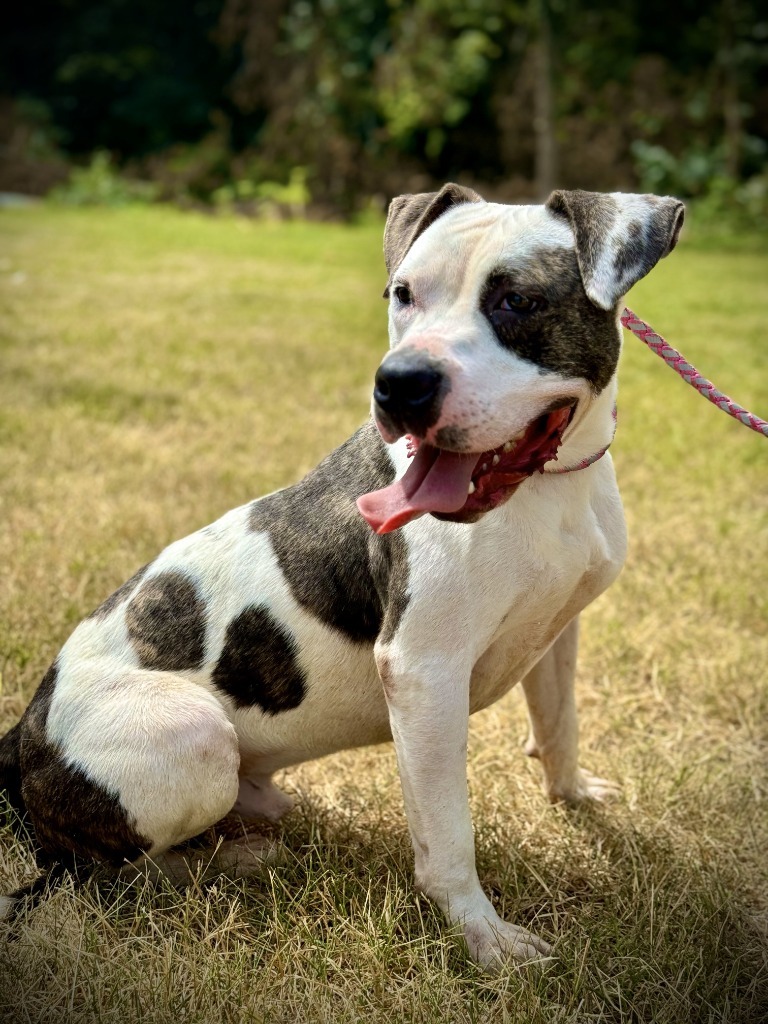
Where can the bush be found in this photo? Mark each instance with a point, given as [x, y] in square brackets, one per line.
[736, 205]
[266, 198]
[100, 184]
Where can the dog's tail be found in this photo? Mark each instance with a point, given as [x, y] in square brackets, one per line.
[10, 769]
[11, 796]
[31, 894]
[53, 869]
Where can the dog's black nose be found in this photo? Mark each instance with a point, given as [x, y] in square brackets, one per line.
[402, 388]
[408, 391]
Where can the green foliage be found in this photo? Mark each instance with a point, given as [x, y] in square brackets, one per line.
[266, 198]
[189, 173]
[688, 173]
[735, 205]
[101, 184]
[377, 96]
[443, 53]
[701, 174]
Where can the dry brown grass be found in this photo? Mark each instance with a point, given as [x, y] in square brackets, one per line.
[160, 368]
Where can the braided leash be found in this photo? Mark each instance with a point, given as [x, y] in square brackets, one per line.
[690, 374]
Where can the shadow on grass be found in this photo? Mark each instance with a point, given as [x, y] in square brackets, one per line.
[643, 931]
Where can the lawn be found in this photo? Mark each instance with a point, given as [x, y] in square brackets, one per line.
[159, 368]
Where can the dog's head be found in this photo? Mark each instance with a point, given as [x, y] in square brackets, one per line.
[503, 325]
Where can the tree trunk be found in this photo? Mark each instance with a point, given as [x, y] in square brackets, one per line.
[545, 159]
[732, 119]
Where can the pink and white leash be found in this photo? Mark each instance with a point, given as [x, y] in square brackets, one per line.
[690, 375]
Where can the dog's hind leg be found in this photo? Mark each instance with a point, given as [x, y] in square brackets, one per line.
[117, 762]
[120, 763]
[554, 727]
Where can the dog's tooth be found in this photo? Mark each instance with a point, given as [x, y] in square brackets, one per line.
[508, 446]
[471, 488]
[496, 460]
[485, 467]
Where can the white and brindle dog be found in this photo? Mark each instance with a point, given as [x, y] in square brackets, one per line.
[411, 579]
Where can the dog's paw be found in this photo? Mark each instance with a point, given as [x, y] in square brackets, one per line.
[259, 797]
[530, 747]
[583, 788]
[493, 943]
[245, 857]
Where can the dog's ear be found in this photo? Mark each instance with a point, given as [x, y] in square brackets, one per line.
[620, 237]
[411, 215]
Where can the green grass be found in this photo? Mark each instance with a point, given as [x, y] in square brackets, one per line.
[160, 368]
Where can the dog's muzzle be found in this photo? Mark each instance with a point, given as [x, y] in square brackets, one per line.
[408, 393]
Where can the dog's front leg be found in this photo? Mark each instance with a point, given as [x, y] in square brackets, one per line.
[554, 732]
[429, 713]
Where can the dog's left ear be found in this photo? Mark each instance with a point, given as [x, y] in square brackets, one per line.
[410, 215]
[620, 237]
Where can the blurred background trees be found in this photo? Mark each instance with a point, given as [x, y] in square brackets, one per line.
[344, 102]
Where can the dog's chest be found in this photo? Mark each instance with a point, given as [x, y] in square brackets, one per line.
[527, 631]
[510, 592]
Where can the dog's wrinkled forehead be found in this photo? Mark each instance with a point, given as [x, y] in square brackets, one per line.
[617, 238]
[470, 241]
[473, 259]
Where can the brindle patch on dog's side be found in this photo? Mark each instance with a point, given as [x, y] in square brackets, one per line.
[569, 334]
[72, 816]
[120, 595]
[258, 664]
[166, 623]
[336, 567]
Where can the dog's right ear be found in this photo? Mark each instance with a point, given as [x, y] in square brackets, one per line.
[410, 215]
[619, 237]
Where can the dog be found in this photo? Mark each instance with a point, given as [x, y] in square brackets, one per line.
[439, 556]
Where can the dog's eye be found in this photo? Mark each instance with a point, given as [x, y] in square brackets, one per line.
[403, 295]
[514, 302]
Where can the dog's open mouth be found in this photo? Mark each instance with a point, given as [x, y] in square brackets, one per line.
[461, 486]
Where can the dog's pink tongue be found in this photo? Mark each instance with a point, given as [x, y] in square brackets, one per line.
[435, 481]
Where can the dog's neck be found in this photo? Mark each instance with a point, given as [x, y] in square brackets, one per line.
[590, 432]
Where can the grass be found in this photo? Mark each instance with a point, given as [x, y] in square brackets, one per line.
[159, 368]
